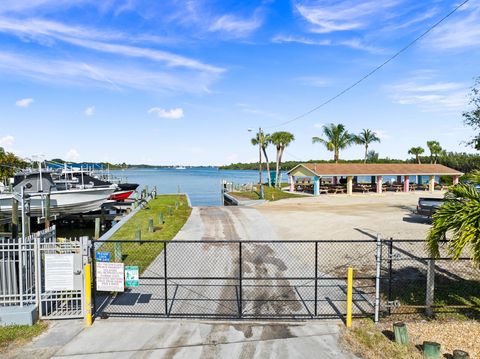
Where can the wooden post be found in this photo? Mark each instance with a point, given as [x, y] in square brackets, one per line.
[47, 211]
[430, 290]
[400, 332]
[97, 228]
[160, 218]
[138, 234]
[176, 205]
[170, 211]
[14, 218]
[150, 226]
[460, 354]
[431, 350]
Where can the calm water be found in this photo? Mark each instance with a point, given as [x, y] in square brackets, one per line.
[202, 184]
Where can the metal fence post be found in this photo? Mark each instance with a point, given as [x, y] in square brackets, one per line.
[36, 264]
[94, 278]
[378, 260]
[240, 273]
[165, 276]
[390, 274]
[430, 289]
[316, 278]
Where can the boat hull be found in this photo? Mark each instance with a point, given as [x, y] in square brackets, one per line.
[63, 202]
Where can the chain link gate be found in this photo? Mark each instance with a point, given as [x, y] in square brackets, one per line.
[239, 279]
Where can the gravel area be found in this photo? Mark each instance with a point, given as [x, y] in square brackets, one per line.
[348, 217]
[463, 335]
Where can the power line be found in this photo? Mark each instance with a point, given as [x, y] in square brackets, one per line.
[373, 71]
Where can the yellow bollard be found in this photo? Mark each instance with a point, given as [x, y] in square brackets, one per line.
[349, 296]
[88, 296]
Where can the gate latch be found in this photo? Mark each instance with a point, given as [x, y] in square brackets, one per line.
[393, 304]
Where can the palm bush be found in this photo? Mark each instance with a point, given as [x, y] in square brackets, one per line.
[458, 219]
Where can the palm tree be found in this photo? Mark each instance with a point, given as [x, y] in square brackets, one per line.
[365, 138]
[262, 140]
[281, 140]
[416, 151]
[336, 139]
[372, 156]
[435, 150]
[459, 217]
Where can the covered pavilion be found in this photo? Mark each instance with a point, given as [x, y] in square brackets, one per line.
[377, 171]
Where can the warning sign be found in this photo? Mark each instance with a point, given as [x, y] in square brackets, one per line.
[59, 272]
[131, 276]
[109, 277]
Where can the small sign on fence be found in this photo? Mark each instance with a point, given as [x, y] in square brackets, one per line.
[102, 256]
[131, 276]
[109, 277]
[59, 272]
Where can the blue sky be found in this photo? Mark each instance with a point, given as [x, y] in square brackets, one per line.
[180, 82]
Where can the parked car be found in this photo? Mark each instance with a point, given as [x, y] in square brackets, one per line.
[427, 206]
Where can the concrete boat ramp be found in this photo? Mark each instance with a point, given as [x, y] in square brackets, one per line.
[181, 338]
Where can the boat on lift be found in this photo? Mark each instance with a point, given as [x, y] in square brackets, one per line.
[37, 185]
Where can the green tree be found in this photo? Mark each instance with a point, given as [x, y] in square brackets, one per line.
[262, 140]
[281, 140]
[472, 118]
[372, 156]
[365, 138]
[416, 151]
[9, 165]
[435, 150]
[458, 221]
[336, 138]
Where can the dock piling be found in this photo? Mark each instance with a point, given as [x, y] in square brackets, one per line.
[97, 228]
[150, 226]
[160, 218]
[138, 234]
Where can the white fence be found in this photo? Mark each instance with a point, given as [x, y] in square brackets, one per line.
[23, 275]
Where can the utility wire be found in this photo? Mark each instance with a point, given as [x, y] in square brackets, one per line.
[374, 70]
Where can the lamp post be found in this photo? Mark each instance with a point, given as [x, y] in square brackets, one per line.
[259, 136]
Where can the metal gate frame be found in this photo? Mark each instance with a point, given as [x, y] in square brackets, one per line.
[170, 286]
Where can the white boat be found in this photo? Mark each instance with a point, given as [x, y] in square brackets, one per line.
[38, 185]
[180, 168]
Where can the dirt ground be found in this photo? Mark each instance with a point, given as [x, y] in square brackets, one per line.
[343, 217]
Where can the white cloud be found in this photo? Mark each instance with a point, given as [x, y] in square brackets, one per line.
[318, 125]
[7, 142]
[113, 75]
[89, 111]
[462, 31]
[431, 97]
[46, 31]
[327, 16]
[279, 39]
[235, 26]
[24, 102]
[72, 155]
[173, 114]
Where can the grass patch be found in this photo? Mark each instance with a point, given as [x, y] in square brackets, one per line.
[13, 335]
[271, 194]
[142, 254]
[454, 299]
[366, 341]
